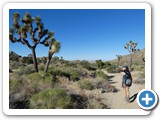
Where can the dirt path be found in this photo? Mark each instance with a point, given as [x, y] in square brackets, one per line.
[116, 100]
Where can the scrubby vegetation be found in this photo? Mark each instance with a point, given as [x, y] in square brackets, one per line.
[67, 84]
[58, 88]
[50, 99]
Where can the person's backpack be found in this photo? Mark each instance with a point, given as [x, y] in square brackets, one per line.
[128, 80]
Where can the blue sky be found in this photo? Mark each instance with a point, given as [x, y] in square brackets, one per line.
[88, 34]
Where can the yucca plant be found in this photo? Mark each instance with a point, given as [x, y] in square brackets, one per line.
[30, 32]
[54, 48]
[131, 47]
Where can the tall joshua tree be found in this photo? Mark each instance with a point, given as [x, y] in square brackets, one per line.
[131, 47]
[54, 47]
[119, 57]
[29, 31]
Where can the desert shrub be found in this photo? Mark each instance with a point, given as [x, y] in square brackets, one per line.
[14, 64]
[72, 64]
[78, 101]
[15, 85]
[59, 72]
[24, 70]
[50, 99]
[93, 74]
[85, 64]
[100, 64]
[112, 68]
[101, 74]
[27, 60]
[41, 67]
[39, 82]
[14, 56]
[55, 59]
[72, 75]
[138, 67]
[107, 64]
[67, 63]
[85, 84]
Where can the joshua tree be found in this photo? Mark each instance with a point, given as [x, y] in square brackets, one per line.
[54, 47]
[131, 47]
[119, 57]
[29, 30]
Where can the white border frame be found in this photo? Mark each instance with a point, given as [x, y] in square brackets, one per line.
[8, 6]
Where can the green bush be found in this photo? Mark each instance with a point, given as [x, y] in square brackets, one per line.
[85, 84]
[14, 56]
[101, 74]
[27, 60]
[113, 68]
[74, 76]
[59, 72]
[138, 67]
[41, 67]
[100, 64]
[50, 99]
[69, 73]
[14, 64]
[69, 63]
[15, 85]
[85, 64]
[24, 70]
[39, 82]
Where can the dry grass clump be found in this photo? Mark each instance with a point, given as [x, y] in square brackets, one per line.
[50, 99]
[85, 84]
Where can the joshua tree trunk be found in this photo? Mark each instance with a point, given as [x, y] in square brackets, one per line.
[34, 59]
[131, 60]
[47, 64]
[48, 61]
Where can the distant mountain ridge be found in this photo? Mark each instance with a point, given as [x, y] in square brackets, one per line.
[137, 58]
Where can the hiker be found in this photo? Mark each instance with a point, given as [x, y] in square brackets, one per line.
[126, 82]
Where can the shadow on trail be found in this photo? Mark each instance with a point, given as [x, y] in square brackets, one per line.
[110, 80]
[110, 76]
[132, 99]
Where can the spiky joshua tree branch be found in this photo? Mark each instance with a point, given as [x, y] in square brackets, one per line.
[30, 31]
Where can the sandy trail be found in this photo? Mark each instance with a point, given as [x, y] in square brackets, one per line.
[116, 100]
